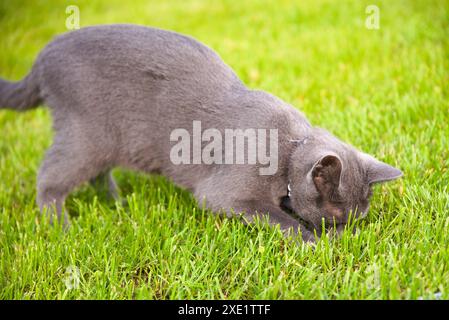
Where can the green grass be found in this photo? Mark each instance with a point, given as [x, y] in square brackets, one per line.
[385, 91]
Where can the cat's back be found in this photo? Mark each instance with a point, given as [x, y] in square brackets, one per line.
[133, 53]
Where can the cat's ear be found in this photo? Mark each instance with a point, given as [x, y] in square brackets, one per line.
[377, 171]
[326, 174]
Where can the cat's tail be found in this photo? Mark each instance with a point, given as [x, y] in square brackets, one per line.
[21, 95]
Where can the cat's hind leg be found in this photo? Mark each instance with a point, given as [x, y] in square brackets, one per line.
[105, 184]
[67, 164]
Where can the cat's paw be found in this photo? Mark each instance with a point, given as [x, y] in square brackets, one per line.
[308, 236]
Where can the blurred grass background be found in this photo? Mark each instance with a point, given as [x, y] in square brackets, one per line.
[384, 91]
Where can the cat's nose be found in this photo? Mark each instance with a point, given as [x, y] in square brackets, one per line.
[362, 214]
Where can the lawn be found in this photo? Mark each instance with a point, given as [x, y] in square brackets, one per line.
[383, 90]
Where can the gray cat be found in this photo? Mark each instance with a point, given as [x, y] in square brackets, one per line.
[117, 92]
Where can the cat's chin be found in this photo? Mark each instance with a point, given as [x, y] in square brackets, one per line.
[287, 208]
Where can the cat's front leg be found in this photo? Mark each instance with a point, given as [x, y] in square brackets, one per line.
[276, 216]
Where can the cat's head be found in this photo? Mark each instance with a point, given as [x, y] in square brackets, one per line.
[328, 179]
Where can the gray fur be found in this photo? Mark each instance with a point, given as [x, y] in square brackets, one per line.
[117, 91]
